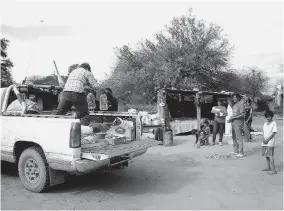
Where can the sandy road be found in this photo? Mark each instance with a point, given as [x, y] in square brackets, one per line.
[178, 177]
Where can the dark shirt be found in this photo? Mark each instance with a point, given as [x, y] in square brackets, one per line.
[248, 111]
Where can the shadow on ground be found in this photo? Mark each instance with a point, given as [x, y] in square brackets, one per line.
[139, 178]
[9, 169]
[181, 139]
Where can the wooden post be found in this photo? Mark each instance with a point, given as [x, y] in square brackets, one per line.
[167, 133]
[198, 110]
[139, 127]
[159, 107]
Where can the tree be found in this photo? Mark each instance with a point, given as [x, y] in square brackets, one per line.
[45, 80]
[255, 82]
[280, 80]
[188, 54]
[231, 80]
[6, 65]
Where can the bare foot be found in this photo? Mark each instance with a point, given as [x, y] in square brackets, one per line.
[266, 170]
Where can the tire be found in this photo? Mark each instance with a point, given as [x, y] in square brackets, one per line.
[33, 170]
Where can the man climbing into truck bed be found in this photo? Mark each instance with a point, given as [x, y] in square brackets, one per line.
[73, 93]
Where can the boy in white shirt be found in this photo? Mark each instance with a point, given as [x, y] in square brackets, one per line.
[268, 142]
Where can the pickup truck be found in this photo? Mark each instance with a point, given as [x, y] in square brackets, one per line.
[46, 147]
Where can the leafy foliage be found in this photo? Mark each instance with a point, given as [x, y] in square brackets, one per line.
[188, 54]
[45, 80]
[255, 82]
[6, 65]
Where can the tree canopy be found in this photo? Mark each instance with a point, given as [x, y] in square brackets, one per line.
[6, 65]
[45, 80]
[188, 53]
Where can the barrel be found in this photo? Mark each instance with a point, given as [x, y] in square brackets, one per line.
[168, 138]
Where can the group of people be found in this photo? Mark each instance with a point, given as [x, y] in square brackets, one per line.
[241, 120]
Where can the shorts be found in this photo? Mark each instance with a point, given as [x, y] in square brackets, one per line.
[267, 151]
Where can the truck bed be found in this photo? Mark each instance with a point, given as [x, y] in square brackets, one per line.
[121, 149]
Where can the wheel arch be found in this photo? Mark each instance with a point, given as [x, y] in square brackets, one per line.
[21, 145]
[55, 177]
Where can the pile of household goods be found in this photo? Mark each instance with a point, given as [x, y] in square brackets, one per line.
[120, 132]
[150, 119]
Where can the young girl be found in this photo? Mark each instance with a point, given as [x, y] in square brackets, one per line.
[268, 142]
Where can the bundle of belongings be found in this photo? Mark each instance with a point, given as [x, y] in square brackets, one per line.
[150, 119]
[120, 132]
[33, 105]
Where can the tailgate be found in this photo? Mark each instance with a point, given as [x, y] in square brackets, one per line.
[109, 151]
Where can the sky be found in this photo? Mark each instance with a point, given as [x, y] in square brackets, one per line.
[74, 32]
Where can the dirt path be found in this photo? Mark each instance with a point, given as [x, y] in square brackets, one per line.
[178, 177]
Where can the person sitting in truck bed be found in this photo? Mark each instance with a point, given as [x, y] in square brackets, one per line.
[73, 93]
[32, 107]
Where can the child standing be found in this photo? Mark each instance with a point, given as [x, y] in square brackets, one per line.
[268, 142]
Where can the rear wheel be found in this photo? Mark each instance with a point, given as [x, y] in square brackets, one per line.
[33, 170]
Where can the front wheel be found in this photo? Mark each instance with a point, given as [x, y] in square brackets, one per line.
[33, 170]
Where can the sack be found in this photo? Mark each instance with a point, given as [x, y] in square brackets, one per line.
[88, 140]
[122, 128]
[99, 127]
[86, 130]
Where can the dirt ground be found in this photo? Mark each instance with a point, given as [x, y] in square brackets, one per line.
[177, 177]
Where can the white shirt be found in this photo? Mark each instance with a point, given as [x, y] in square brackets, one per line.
[229, 112]
[268, 129]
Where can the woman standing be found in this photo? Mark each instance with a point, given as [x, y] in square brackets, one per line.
[219, 121]
[248, 120]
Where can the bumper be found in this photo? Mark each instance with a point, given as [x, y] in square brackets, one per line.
[84, 166]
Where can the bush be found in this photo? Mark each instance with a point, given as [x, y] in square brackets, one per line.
[263, 103]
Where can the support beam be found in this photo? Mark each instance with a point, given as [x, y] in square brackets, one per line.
[163, 112]
[198, 110]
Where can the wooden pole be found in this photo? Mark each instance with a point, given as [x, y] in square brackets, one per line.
[159, 104]
[198, 110]
[59, 78]
[55, 67]
[167, 133]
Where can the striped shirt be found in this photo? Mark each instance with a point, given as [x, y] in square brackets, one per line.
[78, 78]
